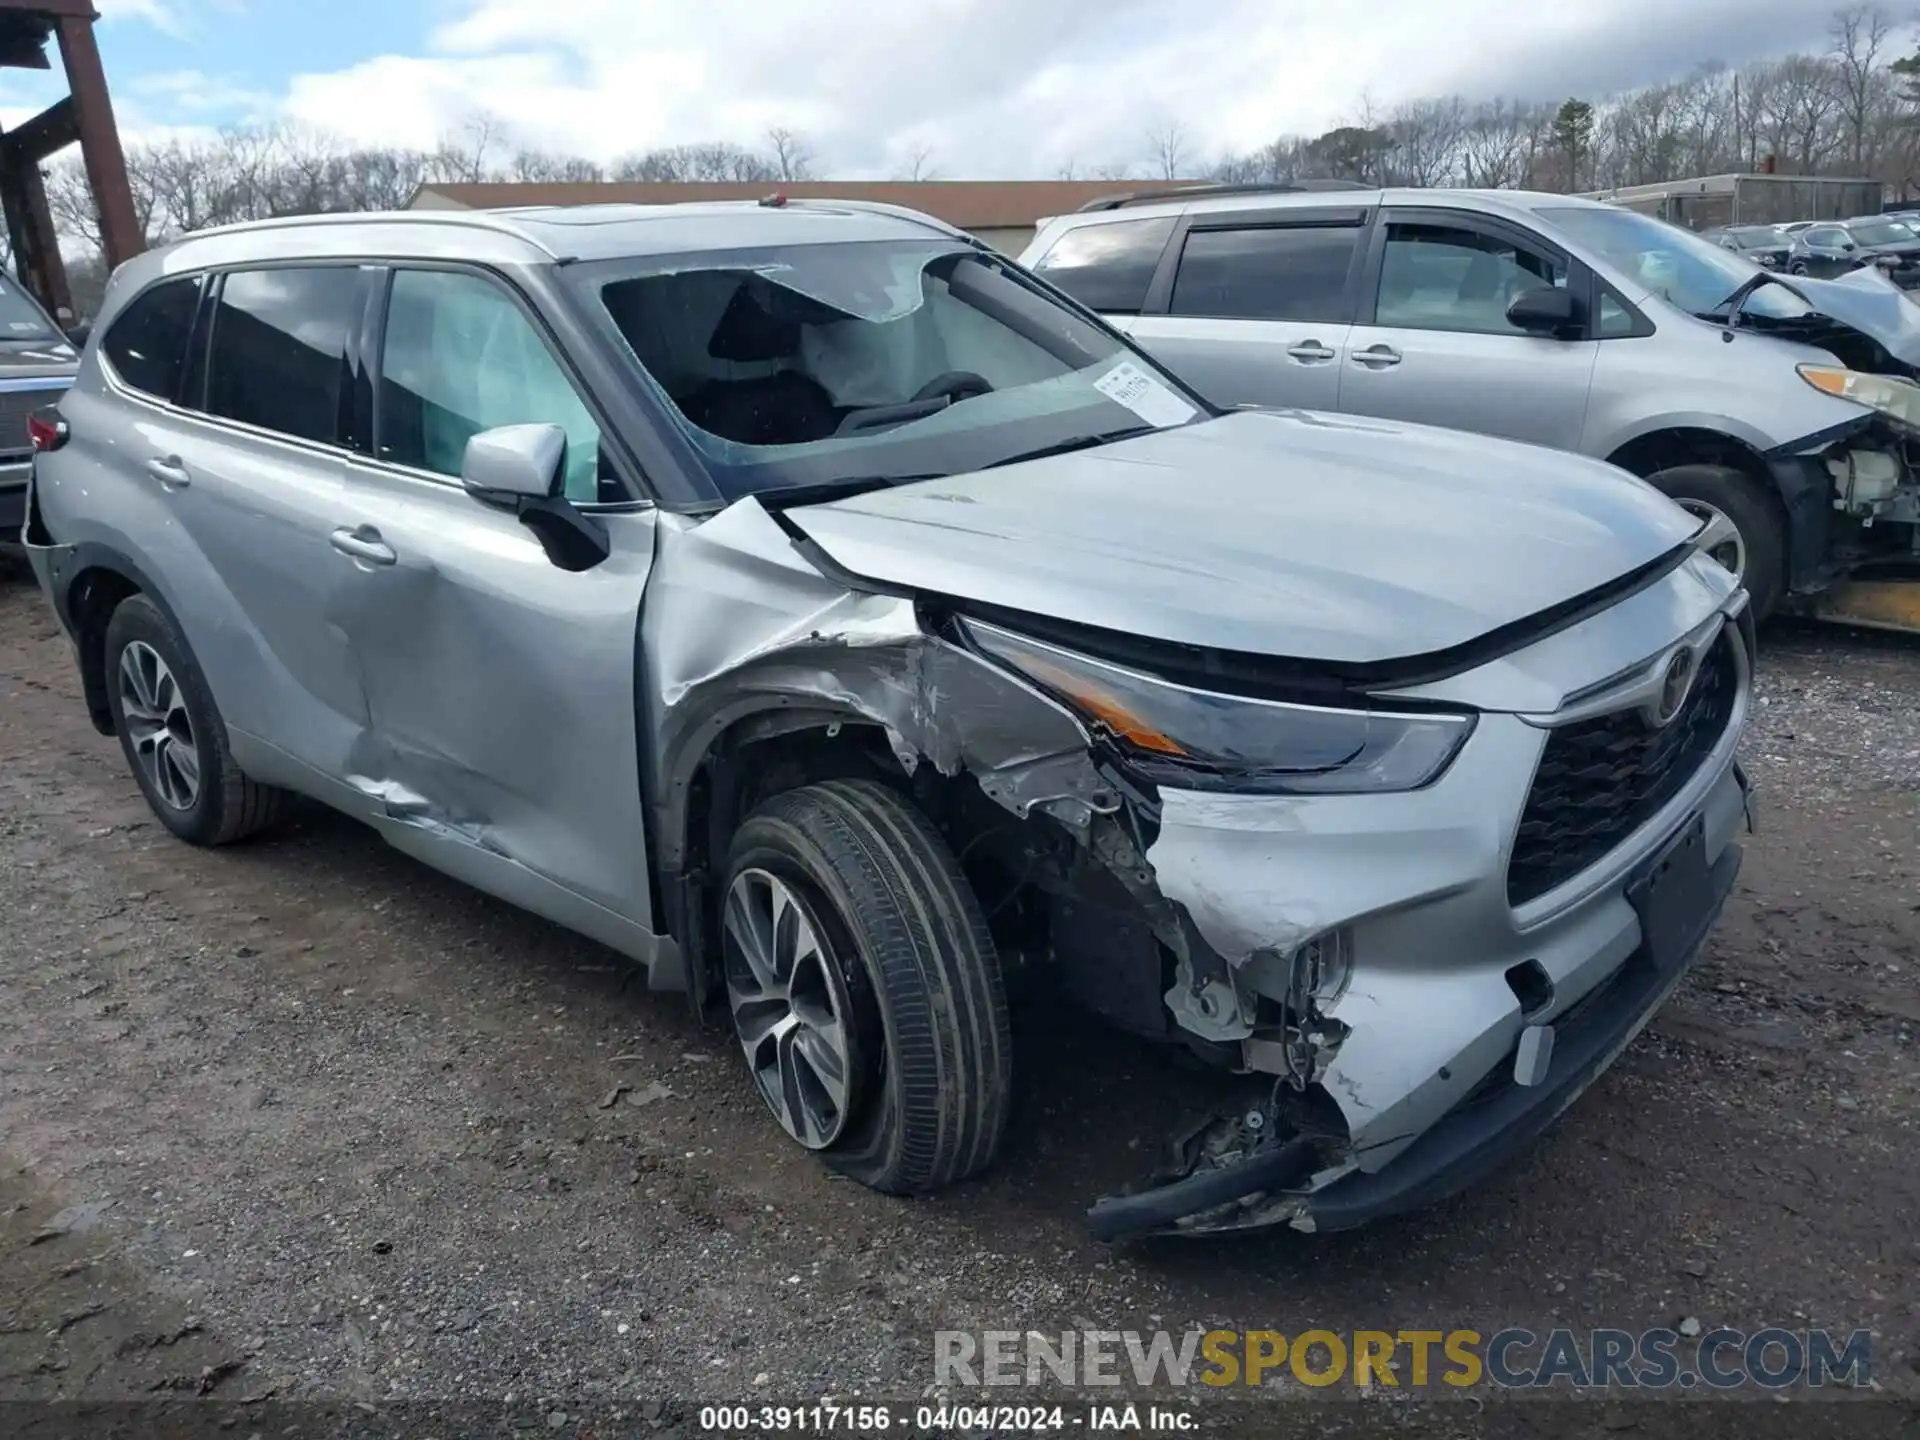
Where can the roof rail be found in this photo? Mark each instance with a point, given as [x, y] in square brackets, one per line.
[1207, 192]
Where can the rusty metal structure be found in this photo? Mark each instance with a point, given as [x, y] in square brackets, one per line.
[85, 116]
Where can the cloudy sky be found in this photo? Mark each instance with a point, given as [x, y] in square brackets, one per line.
[1007, 88]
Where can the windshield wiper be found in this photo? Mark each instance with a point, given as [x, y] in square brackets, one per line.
[1077, 442]
[778, 497]
[774, 497]
[1733, 303]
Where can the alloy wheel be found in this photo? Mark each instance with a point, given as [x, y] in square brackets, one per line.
[1720, 538]
[158, 726]
[791, 1007]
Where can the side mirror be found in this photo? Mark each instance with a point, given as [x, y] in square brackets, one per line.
[77, 336]
[1546, 311]
[1848, 246]
[522, 467]
[517, 460]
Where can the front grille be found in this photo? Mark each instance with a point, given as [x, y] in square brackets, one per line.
[1601, 779]
[16, 406]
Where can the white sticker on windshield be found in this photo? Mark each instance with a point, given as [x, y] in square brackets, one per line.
[1127, 384]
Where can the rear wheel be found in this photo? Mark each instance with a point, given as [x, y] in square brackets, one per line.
[172, 734]
[865, 988]
[1744, 529]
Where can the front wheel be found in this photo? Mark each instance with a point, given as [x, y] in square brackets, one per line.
[1745, 532]
[865, 987]
[1798, 267]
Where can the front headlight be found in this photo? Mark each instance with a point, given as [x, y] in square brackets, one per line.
[1893, 397]
[1204, 738]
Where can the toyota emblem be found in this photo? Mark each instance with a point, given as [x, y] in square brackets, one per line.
[1675, 682]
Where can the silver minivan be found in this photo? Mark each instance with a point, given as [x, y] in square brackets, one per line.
[1782, 410]
[808, 604]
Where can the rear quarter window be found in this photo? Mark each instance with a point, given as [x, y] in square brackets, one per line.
[1107, 266]
[147, 342]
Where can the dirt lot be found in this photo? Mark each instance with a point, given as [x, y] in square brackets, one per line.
[300, 1121]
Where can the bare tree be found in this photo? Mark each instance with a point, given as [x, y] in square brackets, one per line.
[920, 164]
[1858, 34]
[1425, 138]
[1168, 153]
[792, 156]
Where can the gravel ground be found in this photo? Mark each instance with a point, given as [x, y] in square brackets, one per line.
[301, 1121]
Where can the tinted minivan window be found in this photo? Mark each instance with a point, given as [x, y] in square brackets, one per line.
[279, 348]
[1107, 267]
[1269, 273]
[147, 343]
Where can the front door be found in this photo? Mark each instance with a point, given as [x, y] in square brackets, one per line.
[501, 687]
[1433, 344]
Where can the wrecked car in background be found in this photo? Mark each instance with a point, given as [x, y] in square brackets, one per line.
[807, 603]
[1780, 410]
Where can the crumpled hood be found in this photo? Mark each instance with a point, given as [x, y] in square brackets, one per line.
[1283, 533]
[1866, 301]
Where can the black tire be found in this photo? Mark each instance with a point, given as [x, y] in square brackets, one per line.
[1754, 513]
[226, 805]
[934, 1077]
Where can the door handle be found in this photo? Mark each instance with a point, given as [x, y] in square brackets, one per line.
[1310, 352]
[168, 470]
[364, 545]
[1377, 357]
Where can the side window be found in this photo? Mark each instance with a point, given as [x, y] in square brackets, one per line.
[1612, 319]
[147, 342]
[1442, 277]
[279, 348]
[461, 357]
[1107, 266]
[1267, 273]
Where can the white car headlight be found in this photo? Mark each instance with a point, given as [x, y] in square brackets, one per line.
[1893, 397]
[1212, 740]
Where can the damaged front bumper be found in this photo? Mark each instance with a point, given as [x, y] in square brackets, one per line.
[1449, 1026]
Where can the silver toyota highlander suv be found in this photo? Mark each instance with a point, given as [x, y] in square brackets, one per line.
[1783, 410]
[807, 603]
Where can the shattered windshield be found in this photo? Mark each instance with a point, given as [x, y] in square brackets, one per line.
[1691, 273]
[1880, 232]
[815, 365]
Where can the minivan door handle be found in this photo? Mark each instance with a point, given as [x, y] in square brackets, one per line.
[168, 470]
[1377, 357]
[1310, 352]
[364, 545]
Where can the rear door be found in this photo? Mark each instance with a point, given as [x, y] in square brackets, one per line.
[247, 469]
[501, 688]
[1433, 344]
[1253, 307]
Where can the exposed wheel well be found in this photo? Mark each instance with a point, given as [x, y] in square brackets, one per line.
[92, 598]
[763, 756]
[1663, 449]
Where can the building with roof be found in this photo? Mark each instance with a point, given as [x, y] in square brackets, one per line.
[1003, 213]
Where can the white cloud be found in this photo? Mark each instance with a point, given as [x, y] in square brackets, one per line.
[999, 87]
[157, 13]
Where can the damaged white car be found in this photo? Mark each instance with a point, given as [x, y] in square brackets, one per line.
[812, 606]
